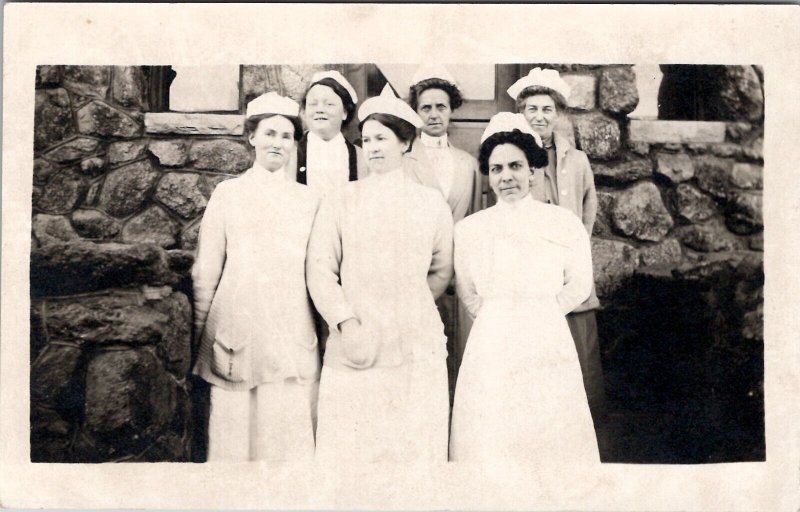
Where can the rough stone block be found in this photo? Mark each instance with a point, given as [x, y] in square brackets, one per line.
[92, 193]
[639, 148]
[708, 237]
[744, 212]
[52, 229]
[209, 182]
[94, 166]
[48, 76]
[676, 167]
[126, 189]
[108, 319]
[95, 224]
[713, 175]
[254, 81]
[129, 398]
[738, 130]
[582, 91]
[691, 204]
[75, 149]
[740, 93]
[38, 336]
[756, 242]
[175, 348]
[667, 252]
[87, 80]
[597, 135]
[190, 235]
[180, 193]
[42, 170]
[612, 262]
[747, 176]
[622, 172]
[617, 90]
[152, 226]
[181, 261]
[63, 192]
[77, 267]
[681, 132]
[170, 153]
[222, 155]
[126, 150]
[602, 223]
[639, 212]
[96, 118]
[174, 123]
[53, 374]
[52, 121]
[127, 86]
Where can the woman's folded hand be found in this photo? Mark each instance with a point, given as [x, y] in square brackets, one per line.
[358, 347]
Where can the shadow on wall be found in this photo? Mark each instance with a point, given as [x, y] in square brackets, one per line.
[684, 366]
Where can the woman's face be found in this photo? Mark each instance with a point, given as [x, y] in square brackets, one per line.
[273, 141]
[541, 113]
[324, 111]
[509, 173]
[433, 106]
[383, 149]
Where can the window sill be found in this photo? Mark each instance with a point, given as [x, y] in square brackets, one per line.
[178, 123]
[681, 132]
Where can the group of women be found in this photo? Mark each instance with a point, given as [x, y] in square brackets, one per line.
[361, 249]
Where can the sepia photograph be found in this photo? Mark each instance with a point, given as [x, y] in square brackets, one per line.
[451, 282]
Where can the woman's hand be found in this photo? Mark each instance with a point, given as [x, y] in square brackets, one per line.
[358, 349]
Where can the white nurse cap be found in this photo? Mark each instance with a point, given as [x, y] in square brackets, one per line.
[547, 78]
[338, 78]
[508, 122]
[388, 103]
[428, 71]
[272, 103]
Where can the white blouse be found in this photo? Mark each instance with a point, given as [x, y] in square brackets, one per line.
[327, 163]
[441, 159]
[249, 277]
[522, 250]
[376, 251]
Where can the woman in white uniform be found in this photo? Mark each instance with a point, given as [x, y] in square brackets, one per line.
[379, 256]
[258, 348]
[521, 266]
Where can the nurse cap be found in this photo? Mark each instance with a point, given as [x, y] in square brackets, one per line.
[547, 78]
[508, 122]
[428, 71]
[338, 78]
[272, 103]
[388, 103]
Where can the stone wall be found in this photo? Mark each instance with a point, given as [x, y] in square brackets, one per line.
[125, 189]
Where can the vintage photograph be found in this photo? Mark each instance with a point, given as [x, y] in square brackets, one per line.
[398, 263]
[399, 257]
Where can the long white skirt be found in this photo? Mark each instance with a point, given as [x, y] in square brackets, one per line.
[272, 422]
[384, 415]
[520, 397]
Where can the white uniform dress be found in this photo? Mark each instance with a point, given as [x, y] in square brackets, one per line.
[251, 298]
[521, 267]
[371, 252]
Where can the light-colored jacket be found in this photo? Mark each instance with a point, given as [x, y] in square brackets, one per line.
[576, 192]
[465, 194]
[379, 252]
[249, 281]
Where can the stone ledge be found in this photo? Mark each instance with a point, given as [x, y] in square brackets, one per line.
[681, 132]
[193, 124]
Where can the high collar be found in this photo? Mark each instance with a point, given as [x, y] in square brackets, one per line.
[390, 177]
[433, 142]
[521, 206]
[315, 139]
[266, 177]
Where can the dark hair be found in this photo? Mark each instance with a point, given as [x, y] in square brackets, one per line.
[404, 130]
[456, 100]
[536, 155]
[251, 124]
[347, 101]
[535, 90]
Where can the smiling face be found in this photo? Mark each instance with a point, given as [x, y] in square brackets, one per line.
[541, 113]
[273, 140]
[509, 173]
[383, 149]
[433, 106]
[324, 112]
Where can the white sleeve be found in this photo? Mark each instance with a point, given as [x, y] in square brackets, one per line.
[465, 284]
[578, 278]
[210, 258]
